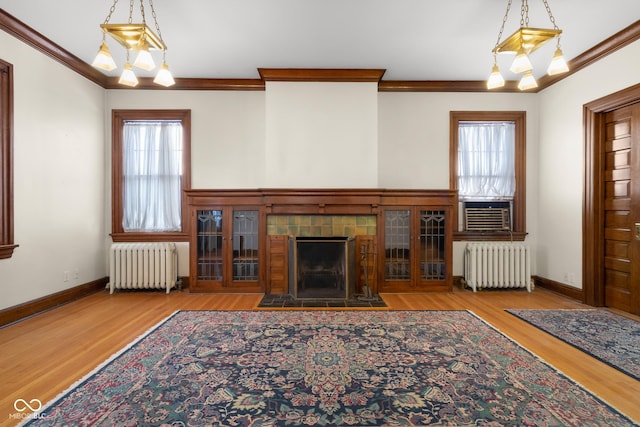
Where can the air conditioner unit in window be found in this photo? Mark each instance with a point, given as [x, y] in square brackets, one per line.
[480, 216]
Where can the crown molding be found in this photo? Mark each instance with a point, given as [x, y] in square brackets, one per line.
[21, 31]
[320, 75]
[442, 86]
[619, 40]
[146, 83]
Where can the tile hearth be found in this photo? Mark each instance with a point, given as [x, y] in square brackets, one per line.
[286, 300]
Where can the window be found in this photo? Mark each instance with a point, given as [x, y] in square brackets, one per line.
[150, 171]
[487, 167]
[6, 160]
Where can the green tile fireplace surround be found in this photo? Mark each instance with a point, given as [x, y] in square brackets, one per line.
[321, 225]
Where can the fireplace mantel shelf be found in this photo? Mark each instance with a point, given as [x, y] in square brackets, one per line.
[321, 201]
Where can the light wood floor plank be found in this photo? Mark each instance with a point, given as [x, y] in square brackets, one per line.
[45, 354]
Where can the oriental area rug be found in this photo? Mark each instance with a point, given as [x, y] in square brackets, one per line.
[326, 368]
[609, 337]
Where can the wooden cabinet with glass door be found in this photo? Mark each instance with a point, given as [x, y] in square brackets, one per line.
[417, 249]
[225, 256]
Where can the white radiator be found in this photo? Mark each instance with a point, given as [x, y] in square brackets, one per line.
[143, 266]
[497, 265]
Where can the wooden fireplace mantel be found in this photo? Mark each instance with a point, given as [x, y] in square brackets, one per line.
[219, 269]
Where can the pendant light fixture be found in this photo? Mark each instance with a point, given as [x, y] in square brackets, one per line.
[136, 38]
[522, 43]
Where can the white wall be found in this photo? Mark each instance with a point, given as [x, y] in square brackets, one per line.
[58, 178]
[559, 248]
[321, 134]
[227, 133]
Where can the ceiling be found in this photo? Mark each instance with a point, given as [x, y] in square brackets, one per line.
[411, 39]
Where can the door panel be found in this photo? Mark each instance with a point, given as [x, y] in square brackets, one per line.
[397, 257]
[622, 209]
[209, 244]
[245, 248]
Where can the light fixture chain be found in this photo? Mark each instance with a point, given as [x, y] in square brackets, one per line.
[553, 20]
[144, 21]
[155, 20]
[130, 11]
[504, 21]
[524, 13]
[113, 8]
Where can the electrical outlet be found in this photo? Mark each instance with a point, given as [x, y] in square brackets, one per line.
[572, 278]
[65, 276]
[76, 273]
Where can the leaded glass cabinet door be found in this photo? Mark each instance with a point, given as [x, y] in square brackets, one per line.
[417, 250]
[227, 250]
[432, 254]
[210, 245]
[396, 272]
[245, 247]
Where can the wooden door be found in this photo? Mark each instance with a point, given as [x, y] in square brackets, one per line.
[207, 248]
[243, 251]
[622, 209]
[432, 260]
[395, 251]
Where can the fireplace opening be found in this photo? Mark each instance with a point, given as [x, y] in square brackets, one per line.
[321, 267]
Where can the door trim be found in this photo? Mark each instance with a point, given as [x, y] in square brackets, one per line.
[593, 191]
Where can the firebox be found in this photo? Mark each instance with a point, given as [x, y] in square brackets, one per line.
[321, 267]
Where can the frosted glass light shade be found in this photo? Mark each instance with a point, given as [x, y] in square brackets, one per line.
[164, 76]
[128, 78]
[521, 63]
[558, 65]
[527, 81]
[144, 60]
[495, 79]
[103, 59]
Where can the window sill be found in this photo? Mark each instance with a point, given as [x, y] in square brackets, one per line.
[149, 237]
[489, 236]
[6, 251]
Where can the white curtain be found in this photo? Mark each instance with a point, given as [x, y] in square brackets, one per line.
[152, 164]
[486, 160]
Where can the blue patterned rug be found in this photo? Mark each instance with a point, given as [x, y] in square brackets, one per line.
[611, 338]
[326, 368]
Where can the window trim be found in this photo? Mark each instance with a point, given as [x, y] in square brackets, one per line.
[118, 117]
[519, 198]
[6, 161]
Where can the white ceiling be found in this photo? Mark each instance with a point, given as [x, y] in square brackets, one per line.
[411, 39]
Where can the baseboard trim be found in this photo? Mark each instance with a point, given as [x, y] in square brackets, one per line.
[30, 308]
[560, 288]
[551, 285]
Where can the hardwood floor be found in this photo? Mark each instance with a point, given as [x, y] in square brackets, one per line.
[45, 354]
